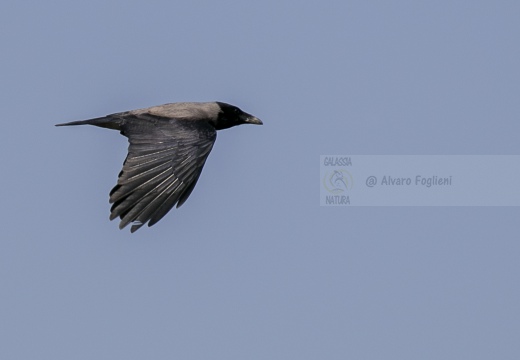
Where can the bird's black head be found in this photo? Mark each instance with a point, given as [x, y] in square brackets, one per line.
[230, 115]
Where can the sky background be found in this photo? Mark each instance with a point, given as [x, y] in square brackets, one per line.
[251, 267]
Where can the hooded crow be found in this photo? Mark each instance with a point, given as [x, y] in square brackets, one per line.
[169, 145]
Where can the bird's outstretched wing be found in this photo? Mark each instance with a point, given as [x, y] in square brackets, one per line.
[164, 161]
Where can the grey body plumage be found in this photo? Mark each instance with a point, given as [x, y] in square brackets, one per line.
[169, 145]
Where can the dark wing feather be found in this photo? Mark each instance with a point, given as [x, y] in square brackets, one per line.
[164, 161]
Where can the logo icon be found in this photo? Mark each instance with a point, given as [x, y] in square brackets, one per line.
[338, 181]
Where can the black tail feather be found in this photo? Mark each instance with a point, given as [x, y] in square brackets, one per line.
[108, 122]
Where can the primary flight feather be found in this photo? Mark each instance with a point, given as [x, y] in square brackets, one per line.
[169, 145]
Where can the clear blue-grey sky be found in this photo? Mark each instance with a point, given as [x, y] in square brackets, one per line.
[251, 267]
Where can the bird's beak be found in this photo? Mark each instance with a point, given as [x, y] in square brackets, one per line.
[253, 120]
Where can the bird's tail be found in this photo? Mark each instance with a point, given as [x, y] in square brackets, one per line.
[108, 122]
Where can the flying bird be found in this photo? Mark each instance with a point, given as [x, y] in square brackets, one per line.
[168, 146]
